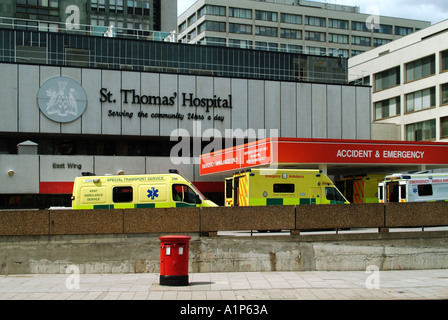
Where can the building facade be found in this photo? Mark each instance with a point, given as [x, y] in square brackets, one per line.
[97, 15]
[290, 26]
[85, 103]
[409, 79]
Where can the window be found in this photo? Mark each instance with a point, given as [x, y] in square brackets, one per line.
[421, 131]
[403, 31]
[444, 128]
[387, 108]
[338, 24]
[360, 26]
[377, 42]
[290, 34]
[122, 194]
[292, 48]
[284, 188]
[290, 18]
[266, 31]
[444, 61]
[385, 29]
[444, 94]
[212, 26]
[317, 51]
[338, 38]
[183, 193]
[361, 41]
[333, 194]
[421, 100]
[240, 28]
[387, 79]
[243, 44]
[421, 68]
[315, 21]
[240, 13]
[425, 190]
[229, 188]
[315, 36]
[212, 10]
[265, 16]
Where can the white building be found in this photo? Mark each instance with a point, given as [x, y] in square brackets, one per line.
[290, 26]
[410, 85]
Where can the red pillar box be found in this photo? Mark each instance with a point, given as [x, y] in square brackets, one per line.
[174, 260]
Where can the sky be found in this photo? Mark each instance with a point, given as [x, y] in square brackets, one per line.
[429, 10]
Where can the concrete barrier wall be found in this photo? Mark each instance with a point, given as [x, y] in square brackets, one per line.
[194, 220]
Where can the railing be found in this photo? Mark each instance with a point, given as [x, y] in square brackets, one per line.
[138, 51]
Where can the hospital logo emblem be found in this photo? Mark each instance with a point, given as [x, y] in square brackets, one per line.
[62, 99]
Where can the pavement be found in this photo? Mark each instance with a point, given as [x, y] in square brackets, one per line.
[263, 286]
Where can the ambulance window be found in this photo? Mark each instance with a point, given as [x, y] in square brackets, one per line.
[333, 194]
[403, 192]
[184, 193]
[425, 190]
[284, 188]
[229, 189]
[122, 194]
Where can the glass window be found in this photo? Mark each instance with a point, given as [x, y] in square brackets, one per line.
[122, 194]
[213, 11]
[387, 79]
[338, 38]
[338, 24]
[315, 36]
[315, 21]
[284, 188]
[333, 194]
[421, 68]
[444, 94]
[290, 34]
[361, 41]
[240, 13]
[265, 16]
[444, 128]
[240, 28]
[266, 31]
[444, 61]
[385, 29]
[425, 190]
[183, 193]
[403, 31]
[421, 100]
[360, 26]
[422, 131]
[387, 108]
[290, 18]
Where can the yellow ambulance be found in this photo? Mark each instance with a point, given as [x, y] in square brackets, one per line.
[136, 191]
[266, 187]
[360, 189]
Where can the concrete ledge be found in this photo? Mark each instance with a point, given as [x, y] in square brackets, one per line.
[340, 216]
[162, 220]
[86, 222]
[26, 223]
[400, 215]
[248, 218]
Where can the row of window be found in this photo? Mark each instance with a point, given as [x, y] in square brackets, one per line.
[134, 7]
[414, 70]
[180, 192]
[294, 19]
[236, 28]
[283, 47]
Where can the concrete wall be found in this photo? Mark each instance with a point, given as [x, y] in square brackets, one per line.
[140, 253]
[126, 241]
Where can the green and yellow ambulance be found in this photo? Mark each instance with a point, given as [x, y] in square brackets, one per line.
[267, 187]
